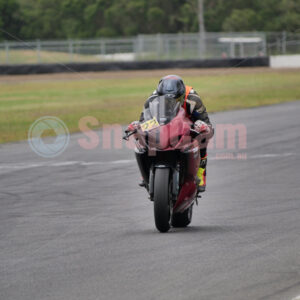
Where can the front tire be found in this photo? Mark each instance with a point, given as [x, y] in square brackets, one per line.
[162, 199]
[182, 219]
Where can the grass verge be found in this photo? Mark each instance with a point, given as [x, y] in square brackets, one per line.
[120, 100]
[32, 57]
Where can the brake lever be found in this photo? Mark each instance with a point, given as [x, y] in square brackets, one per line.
[194, 133]
[128, 134]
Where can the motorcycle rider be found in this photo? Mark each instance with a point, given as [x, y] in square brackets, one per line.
[173, 85]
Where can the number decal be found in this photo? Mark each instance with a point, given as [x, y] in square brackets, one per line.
[151, 124]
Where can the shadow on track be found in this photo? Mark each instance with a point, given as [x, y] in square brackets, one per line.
[206, 229]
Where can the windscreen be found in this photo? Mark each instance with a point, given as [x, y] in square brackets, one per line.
[163, 108]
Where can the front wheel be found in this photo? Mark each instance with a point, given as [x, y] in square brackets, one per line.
[161, 199]
[182, 219]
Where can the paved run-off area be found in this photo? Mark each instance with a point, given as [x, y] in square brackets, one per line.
[79, 227]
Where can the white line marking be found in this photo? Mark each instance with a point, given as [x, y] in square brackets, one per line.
[20, 166]
[272, 155]
[64, 163]
[297, 298]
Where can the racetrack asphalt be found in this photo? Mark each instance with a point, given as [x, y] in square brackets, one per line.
[79, 227]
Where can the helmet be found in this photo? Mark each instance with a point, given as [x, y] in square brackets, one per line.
[172, 85]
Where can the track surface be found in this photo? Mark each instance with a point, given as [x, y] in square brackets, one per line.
[84, 230]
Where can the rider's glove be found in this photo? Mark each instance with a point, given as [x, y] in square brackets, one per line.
[201, 127]
[133, 126]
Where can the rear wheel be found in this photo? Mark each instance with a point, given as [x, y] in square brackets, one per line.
[161, 199]
[182, 219]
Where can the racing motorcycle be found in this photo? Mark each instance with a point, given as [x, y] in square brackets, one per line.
[167, 153]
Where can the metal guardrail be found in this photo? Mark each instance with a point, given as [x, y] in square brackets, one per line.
[150, 47]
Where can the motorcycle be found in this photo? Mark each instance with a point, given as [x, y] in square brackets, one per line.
[167, 153]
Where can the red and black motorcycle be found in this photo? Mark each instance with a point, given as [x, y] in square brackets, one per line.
[167, 153]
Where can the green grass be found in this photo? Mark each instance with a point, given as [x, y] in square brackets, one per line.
[31, 57]
[121, 100]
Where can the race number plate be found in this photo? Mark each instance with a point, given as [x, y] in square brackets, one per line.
[151, 124]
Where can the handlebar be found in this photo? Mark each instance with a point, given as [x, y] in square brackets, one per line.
[128, 134]
[195, 133]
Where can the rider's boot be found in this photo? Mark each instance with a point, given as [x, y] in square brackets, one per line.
[202, 175]
[142, 183]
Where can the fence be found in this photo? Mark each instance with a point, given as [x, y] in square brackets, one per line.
[283, 43]
[150, 47]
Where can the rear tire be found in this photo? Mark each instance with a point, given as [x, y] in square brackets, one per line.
[182, 219]
[162, 199]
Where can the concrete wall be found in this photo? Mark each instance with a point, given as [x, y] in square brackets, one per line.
[285, 61]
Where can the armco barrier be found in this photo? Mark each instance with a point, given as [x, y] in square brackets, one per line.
[139, 65]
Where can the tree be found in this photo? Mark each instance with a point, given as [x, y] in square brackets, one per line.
[188, 17]
[242, 20]
[290, 16]
[61, 19]
[10, 19]
[43, 20]
[156, 20]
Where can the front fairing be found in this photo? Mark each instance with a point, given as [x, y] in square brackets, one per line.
[175, 135]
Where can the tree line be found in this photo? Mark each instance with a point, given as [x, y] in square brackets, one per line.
[63, 19]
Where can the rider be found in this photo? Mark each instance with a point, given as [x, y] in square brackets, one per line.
[172, 85]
